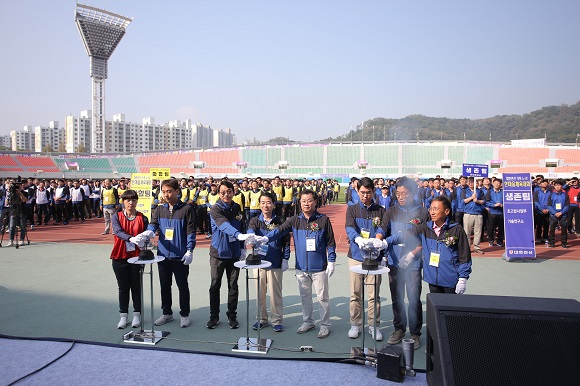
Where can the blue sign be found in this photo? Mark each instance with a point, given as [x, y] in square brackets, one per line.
[475, 170]
[518, 216]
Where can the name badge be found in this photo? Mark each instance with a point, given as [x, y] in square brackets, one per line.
[434, 259]
[254, 203]
[558, 206]
[310, 244]
[262, 250]
[169, 233]
[129, 246]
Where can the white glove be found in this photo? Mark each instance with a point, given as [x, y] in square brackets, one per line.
[330, 269]
[284, 265]
[243, 254]
[261, 240]
[148, 234]
[406, 260]
[187, 258]
[360, 242]
[246, 236]
[384, 262]
[379, 244]
[138, 241]
[461, 286]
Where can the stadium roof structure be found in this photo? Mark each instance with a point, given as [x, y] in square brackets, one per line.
[101, 32]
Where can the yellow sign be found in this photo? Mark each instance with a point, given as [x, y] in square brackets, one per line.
[160, 173]
[141, 183]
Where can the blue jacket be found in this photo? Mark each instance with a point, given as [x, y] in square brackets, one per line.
[472, 207]
[491, 198]
[352, 196]
[183, 224]
[558, 202]
[460, 204]
[226, 225]
[454, 260]
[317, 227]
[399, 220]
[541, 200]
[358, 217]
[277, 249]
[385, 202]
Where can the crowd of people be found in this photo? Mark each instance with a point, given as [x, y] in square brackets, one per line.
[422, 229]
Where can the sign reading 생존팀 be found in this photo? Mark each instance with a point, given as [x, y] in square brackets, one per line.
[475, 170]
[518, 215]
[141, 183]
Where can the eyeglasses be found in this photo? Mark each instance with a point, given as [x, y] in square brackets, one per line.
[225, 192]
[365, 192]
[402, 194]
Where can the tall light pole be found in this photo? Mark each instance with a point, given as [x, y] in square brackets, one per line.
[101, 32]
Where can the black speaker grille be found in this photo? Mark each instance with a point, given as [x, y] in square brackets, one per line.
[498, 349]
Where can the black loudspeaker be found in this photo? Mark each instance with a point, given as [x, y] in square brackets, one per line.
[502, 340]
[391, 363]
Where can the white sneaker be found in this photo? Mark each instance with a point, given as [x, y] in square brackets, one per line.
[136, 322]
[353, 332]
[10, 243]
[21, 242]
[123, 322]
[184, 321]
[163, 319]
[378, 336]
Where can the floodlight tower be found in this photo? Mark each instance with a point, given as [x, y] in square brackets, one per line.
[101, 32]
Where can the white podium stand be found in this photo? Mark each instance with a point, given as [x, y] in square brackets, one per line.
[150, 337]
[363, 351]
[247, 344]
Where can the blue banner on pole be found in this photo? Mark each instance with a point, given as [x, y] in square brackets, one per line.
[475, 170]
[518, 211]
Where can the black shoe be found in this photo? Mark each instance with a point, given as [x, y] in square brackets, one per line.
[213, 322]
[550, 245]
[565, 246]
[233, 321]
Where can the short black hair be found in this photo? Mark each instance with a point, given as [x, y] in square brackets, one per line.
[129, 195]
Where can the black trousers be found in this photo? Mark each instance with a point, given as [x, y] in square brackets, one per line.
[218, 267]
[41, 211]
[495, 223]
[401, 281]
[542, 222]
[563, 221]
[437, 289]
[129, 282]
[573, 214]
[167, 269]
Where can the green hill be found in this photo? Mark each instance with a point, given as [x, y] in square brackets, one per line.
[559, 124]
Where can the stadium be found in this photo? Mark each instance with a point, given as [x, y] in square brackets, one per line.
[310, 160]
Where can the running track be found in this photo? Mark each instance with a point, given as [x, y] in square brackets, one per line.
[89, 232]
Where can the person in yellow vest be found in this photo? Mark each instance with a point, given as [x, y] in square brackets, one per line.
[212, 198]
[122, 188]
[191, 201]
[201, 202]
[245, 189]
[336, 190]
[240, 199]
[155, 190]
[255, 200]
[183, 193]
[109, 201]
[278, 189]
[287, 199]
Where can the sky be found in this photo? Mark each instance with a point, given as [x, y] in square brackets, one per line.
[303, 69]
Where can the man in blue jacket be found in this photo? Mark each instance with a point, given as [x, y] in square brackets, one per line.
[276, 252]
[367, 216]
[558, 206]
[473, 219]
[404, 265]
[175, 222]
[314, 247]
[227, 221]
[541, 213]
[494, 204]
